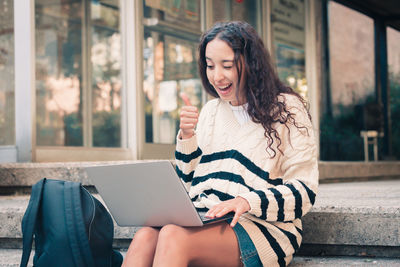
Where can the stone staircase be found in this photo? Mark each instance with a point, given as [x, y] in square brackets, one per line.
[351, 223]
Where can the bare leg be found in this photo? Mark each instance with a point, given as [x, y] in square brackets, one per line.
[142, 248]
[213, 245]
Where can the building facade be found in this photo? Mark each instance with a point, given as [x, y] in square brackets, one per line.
[100, 79]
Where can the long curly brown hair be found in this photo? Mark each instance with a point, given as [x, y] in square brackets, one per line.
[261, 82]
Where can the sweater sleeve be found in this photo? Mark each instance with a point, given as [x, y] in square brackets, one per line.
[299, 166]
[188, 152]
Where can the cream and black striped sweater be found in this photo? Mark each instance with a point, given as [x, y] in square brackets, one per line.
[225, 159]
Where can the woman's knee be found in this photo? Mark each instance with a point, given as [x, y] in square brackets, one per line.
[172, 236]
[172, 231]
[146, 235]
[142, 247]
[144, 240]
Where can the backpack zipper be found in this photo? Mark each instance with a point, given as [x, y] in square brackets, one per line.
[94, 213]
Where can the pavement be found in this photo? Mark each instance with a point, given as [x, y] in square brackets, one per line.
[12, 257]
[350, 219]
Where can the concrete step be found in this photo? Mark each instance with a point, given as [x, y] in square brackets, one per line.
[354, 219]
[351, 219]
[12, 257]
[19, 177]
[342, 261]
[12, 209]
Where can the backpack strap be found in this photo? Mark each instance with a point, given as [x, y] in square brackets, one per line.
[28, 224]
[117, 258]
[76, 230]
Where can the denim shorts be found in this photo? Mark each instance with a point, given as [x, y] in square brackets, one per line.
[248, 253]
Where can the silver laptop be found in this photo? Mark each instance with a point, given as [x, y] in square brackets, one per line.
[146, 194]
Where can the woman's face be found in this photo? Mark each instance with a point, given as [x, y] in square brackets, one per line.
[222, 72]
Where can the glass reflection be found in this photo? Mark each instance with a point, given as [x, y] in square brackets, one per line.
[59, 73]
[169, 66]
[106, 74]
[7, 110]
[350, 104]
[393, 39]
[223, 10]
[78, 65]
[288, 35]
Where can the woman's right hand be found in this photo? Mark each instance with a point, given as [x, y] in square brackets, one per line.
[189, 116]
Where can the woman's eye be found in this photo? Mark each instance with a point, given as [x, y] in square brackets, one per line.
[227, 67]
[210, 67]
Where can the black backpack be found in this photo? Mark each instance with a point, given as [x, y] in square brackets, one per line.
[71, 227]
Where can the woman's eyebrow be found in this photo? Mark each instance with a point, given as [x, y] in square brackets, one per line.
[223, 61]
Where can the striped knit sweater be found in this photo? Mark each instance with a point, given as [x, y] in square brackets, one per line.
[225, 159]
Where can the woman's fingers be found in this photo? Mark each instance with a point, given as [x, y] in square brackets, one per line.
[238, 205]
[235, 219]
[225, 211]
[188, 114]
[187, 125]
[214, 210]
[185, 99]
[189, 111]
[220, 210]
[188, 119]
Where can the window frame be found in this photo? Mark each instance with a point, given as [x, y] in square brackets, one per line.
[24, 58]
[128, 133]
[26, 149]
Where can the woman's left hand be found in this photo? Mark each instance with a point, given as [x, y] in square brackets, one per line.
[238, 205]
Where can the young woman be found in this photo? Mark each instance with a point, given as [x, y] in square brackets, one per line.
[251, 151]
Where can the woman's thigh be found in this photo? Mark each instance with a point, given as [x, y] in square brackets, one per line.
[211, 245]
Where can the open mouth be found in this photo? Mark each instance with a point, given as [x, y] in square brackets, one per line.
[225, 88]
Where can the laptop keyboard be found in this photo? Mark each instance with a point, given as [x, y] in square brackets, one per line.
[203, 216]
[205, 219]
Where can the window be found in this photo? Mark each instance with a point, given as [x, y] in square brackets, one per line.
[288, 37]
[170, 38]
[350, 102]
[248, 11]
[170, 67]
[171, 34]
[7, 114]
[78, 73]
[393, 41]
